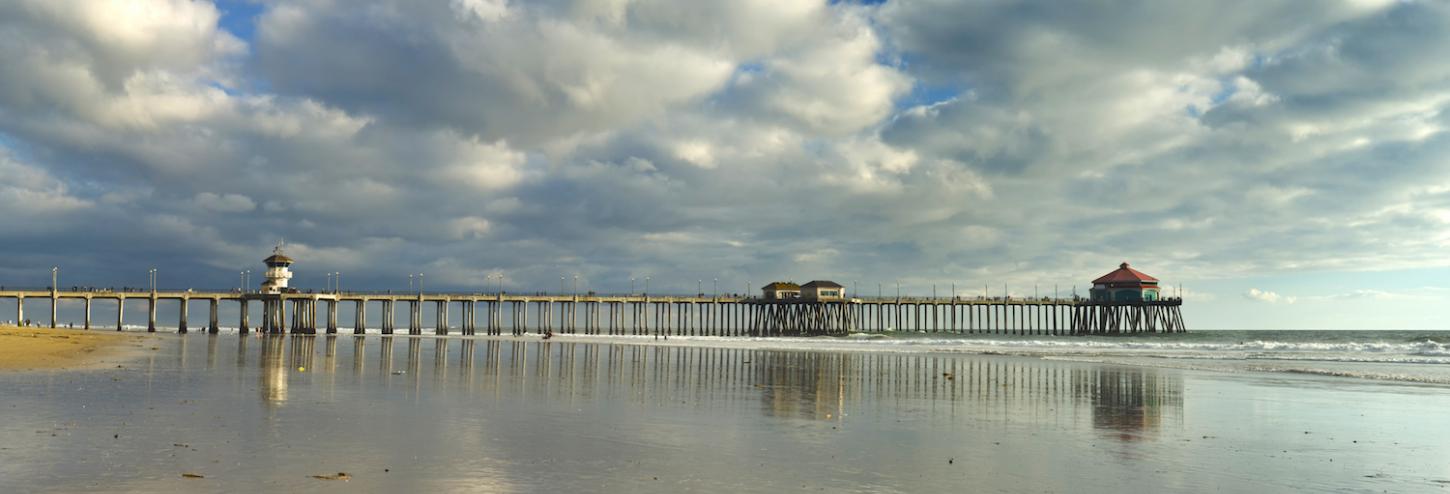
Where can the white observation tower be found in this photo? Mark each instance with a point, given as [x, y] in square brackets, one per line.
[277, 272]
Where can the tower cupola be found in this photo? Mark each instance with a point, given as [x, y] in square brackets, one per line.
[278, 271]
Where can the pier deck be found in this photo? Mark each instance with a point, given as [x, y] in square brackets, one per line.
[637, 314]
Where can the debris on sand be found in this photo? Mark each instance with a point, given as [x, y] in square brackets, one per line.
[192, 476]
[339, 476]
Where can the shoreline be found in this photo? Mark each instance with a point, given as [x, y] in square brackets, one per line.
[45, 349]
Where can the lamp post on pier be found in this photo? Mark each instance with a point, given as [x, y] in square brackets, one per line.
[153, 280]
[337, 282]
[420, 284]
[54, 277]
[631, 285]
[646, 285]
[576, 285]
[715, 287]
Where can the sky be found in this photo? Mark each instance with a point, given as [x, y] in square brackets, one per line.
[1285, 162]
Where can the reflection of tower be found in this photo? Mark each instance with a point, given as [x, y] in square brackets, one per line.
[274, 372]
[277, 272]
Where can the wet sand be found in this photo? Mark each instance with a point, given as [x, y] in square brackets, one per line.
[24, 349]
[401, 414]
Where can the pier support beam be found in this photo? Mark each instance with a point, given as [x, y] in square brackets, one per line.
[120, 313]
[360, 317]
[151, 313]
[442, 317]
[88, 313]
[185, 304]
[242, 317]
[387, 317]
[415, 316]
[212, 323]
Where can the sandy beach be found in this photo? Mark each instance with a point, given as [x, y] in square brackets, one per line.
[59, 349]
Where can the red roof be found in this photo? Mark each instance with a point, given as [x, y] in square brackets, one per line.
[1125, 274]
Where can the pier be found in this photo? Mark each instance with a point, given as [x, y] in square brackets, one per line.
[1124, 301]
[628, 314]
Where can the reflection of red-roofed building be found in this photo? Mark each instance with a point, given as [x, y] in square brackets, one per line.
[1125, 284]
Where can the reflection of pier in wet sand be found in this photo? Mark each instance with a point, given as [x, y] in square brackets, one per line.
[1129, 402]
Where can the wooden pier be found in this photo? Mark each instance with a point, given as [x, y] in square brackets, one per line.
[637, 314]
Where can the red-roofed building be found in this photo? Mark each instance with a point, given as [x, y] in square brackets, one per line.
[1125, 284]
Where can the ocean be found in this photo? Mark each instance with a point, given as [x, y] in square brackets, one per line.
[1406, 356]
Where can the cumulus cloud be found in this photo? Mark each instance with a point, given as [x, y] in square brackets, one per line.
[1268, 296]
[938, 141]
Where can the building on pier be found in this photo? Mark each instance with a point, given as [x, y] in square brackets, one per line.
[277, 272]
[823, 290]
[781, 290]
[1125, 284]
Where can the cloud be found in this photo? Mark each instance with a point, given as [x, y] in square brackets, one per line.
[978, 143]
[32, 197]
[525, 71]
[224, 203]
[469, 227]
[1267, 296]
[1190, 295]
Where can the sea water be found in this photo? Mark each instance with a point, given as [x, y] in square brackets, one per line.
[1410, 356]
[1205, 411]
